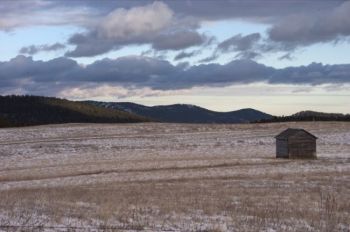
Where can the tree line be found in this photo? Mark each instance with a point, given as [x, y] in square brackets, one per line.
[35, 110]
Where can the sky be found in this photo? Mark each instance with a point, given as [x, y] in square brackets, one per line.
[279, 57]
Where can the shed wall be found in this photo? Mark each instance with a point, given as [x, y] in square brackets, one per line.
[302, 147]
[282, 148]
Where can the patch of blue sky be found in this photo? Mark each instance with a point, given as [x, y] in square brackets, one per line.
[326, 53]
[227, 28]
[13, 41]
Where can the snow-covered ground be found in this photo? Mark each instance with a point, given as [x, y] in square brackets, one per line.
[172, 177]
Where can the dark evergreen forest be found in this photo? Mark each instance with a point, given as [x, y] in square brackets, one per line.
[34, 110]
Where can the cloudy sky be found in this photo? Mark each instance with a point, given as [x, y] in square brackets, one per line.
[276, 56]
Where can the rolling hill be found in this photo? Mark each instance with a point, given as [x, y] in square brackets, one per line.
[182, 113]
[309, 115]
[34, 110]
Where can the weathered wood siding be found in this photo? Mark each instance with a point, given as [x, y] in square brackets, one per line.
[302, 146]
[282, 148]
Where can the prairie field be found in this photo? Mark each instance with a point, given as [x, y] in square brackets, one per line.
[172, 177]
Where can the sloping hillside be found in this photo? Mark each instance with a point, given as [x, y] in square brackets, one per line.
[181, 113]
[33, 110]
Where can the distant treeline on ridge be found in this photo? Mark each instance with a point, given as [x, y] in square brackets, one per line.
[308, 116]
[34, 110]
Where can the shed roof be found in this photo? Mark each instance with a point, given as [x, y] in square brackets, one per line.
[292, 131]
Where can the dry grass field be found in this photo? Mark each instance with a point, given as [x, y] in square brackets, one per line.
[171, 177]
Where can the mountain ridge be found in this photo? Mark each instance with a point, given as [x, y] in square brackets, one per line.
[185, 113]
[37, 110]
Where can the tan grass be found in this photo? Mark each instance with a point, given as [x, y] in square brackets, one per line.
[200, 188]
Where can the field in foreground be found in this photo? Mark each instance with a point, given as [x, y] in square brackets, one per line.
[171, 177]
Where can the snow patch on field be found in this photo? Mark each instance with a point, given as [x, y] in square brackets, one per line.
[84, 156]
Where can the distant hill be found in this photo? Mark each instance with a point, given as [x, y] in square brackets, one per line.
[33, 110]
[309, 113]
[310, 116]
[182, 113]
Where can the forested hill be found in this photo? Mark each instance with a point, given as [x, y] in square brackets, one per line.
[34, 110]
[309, 116]
[183, 113]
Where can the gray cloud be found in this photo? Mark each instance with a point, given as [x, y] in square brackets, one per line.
[173, 25]
[183, 54]
[235, 72]
[267, 11]
[89, 45]
[239, 42]
[302, 29]
[111, 25]
[161, 55]
[24, 13]
[157, 27]
[253, 10]
[55, 76]
[31, 50]
[287, 56]
[178, 40]
[317, 20]
[208, 59]
[293, 23]
[313, 74]
[247, 46]
[248, 55]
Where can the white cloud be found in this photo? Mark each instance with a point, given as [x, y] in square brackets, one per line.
[138, 21]
[154, 24]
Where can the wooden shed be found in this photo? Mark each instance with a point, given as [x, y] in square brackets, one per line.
[295, 143]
